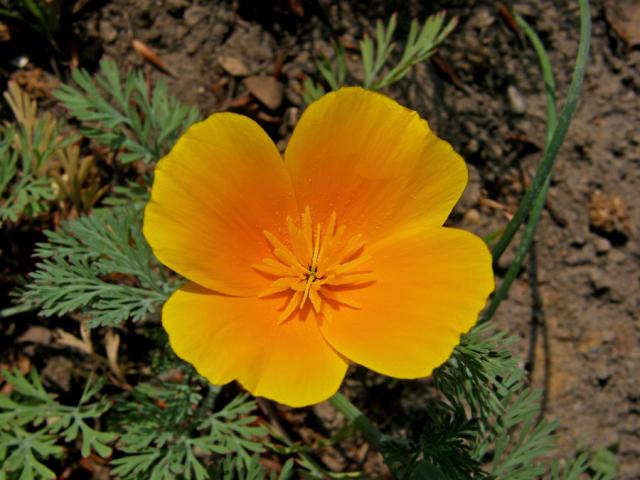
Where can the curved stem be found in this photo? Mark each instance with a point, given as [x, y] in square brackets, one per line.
[532, 223]
[357, 418]
[15, 310]
[521, 253]
[547, 74]
[557, 138]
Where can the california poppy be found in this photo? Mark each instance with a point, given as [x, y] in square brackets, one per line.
[335, 255]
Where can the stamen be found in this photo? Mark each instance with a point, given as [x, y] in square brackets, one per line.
[314, 264]
[272, 267]
[291, 306]
[328, 234]
[307, 288]
[280, 285]
[307, 228]
[298, 243]
[316, 248]
[350, 279]
[350, 265]
[338, 298]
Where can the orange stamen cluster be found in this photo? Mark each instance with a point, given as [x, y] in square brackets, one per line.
[317, 266]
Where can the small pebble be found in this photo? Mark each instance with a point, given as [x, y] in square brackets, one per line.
[473, 146]
[194, 14]
[616, 256]
[107, 31]
[602, 246]
[516, 101]
[600, 281]
[58, 372]
[578, 257]
[603, 372]
[472, 216]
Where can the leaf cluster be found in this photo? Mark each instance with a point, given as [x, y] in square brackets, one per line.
[38, 164]
[99, 265]
[26, 149]
[443, 451]
[39, 16]
[380, 67]
[124, 115]
[33, 425]
[486, 424]
[75, 179]
[169, 431]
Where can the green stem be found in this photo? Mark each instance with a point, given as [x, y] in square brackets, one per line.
[357, 418]
[547, 74]
[521, 253]
[15, 310]
[552, 128]
[557, 138]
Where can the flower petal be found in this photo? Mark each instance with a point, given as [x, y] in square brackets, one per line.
[430, 286]
[233, 338]
[214, 194]
[374, 162]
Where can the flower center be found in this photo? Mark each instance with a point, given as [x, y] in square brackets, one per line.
[319, 267]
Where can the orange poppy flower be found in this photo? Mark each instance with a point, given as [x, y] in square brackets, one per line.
[335, 255]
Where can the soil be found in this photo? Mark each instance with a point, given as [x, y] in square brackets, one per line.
[574, 308]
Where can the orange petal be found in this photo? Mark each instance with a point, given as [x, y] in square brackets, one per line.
[430, 286]
[374, 162]
[221, 186]
[234, 338]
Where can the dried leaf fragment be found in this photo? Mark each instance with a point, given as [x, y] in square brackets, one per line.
[234, 66]
[624, 18]
[5, 34]
[266, 89]
[151, 56]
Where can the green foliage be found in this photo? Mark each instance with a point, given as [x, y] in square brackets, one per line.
[125, 115]
[601, 463]
[380, 68]
[442, 451]
[227, 470]
[479, 374]
[24, 192]
[170, 432]
[39, 16]
[26, 148]
[22, 452]
[483, 379]
[604, 462]
[517, 441]
[78, 187]
[486, 423]
[99, 265]
[34, 424]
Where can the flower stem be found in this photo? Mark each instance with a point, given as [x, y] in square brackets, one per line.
[15, 310]
[521, 253]
[533, 198]
[357, 418]
[559, 133]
